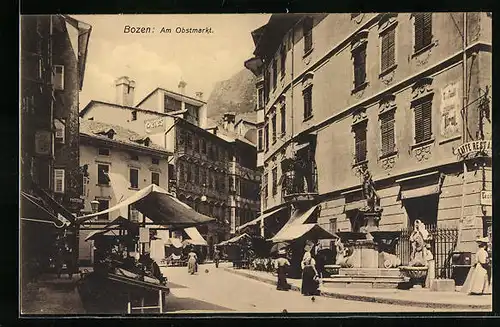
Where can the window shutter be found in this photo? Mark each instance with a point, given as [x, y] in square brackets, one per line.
[58, 77]
[59, 180]
[385, 48]
[387, 133]
[426, 29]
[283, 120]
[423, 121]
[360, 142]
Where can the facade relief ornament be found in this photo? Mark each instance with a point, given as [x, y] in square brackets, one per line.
[307, 80]
[389, 162]
[307, 59]
[388, 78]
[387, 103]
[387, 20]
[422, 88]
[360, 39]
[422, 58]
[359, 115]
[423, 153]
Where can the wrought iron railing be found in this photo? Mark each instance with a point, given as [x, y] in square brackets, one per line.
[442, 241]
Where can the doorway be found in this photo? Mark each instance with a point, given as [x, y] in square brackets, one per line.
[424, 208]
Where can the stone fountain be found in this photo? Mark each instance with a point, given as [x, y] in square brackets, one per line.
[366, 258]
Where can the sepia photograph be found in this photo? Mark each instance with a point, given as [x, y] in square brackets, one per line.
[186, 164]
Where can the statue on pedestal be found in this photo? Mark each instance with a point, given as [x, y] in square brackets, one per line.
[418, 240]
[343, 254]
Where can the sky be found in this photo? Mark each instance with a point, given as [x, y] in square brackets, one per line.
[163, 59]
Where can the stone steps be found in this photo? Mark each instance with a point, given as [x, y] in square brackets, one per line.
[366, 281]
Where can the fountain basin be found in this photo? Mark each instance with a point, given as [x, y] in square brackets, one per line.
[413, 272]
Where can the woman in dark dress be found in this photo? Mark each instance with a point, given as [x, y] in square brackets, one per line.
[309, 275]
[281, 265]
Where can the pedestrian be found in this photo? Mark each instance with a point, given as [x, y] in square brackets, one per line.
[281, 266]
[216, 257]
[310, 277]
[192, 262]
[478, 280]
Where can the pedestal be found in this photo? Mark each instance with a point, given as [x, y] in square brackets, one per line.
[365, 254]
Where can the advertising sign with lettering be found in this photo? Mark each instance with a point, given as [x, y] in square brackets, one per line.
[486, 198]
[474, 147]
[154, 126]
[450, 111]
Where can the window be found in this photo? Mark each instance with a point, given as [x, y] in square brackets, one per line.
[266, 131]
[171, 172]
[267, 82]
[307, 95]
[134, 115]
[134, 157]
[59, 180]
[387, 133]
[273, 122]
[103, 205]
[60, 131]
[58, 77]
[155, 178]
[260, 143]
[196, 145]
[333, 225]
[172, 104]
[260, 98]
[134, 178]
[283, 119]
[133, 214]
[189, 140]
[360, 142]
[189, 170]
[359, 55]
[203, 146]
[265, 187]
[283, 60]
[197, 175]
[102, 174]
[275, 73]
[181, 172]
[388, 53]
[275, 180]
[423, 30]
[423, 121]
[307, 28]
[155, 161]
[103, 152]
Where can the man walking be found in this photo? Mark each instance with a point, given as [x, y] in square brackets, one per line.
[216, 257]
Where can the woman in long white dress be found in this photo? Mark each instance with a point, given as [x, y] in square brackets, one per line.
[192, 261]
[478, 280]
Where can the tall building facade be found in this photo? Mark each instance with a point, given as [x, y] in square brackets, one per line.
[53, 55]
[403, 96]
[203, 158]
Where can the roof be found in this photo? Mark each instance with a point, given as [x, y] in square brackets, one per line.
[269, 36]
[99, 130]
[248, 117]
[92, 102]
[197, 101]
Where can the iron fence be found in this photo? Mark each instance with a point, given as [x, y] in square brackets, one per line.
[442, 240]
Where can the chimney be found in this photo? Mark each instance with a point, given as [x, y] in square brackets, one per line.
[182, 87]
[199, 95]
[125, 91]
[228, 121]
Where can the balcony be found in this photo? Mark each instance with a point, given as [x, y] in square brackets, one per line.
[300, 180]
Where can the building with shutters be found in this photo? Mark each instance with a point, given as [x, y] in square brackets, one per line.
[53, 55]
[205, 158]
[341, 94]
[118, 162]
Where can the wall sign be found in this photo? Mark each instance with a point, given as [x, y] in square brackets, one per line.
[154, 126]
[450, 116]
[474, 147]
[43, 142]
[486, 198]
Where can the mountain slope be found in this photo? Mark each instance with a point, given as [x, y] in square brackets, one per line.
[236, 94]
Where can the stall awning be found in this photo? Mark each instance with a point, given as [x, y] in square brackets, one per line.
[175, 242]
[195, 237]
[421, 185]
[356, 205]
[300, 217]
[159, 206]
[293, 232]
[234, 239]
[48, 202]
[113, 228]
[33, 209]
[258, 219]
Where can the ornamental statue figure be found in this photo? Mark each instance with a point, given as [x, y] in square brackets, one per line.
[418, 240]
[369, 192]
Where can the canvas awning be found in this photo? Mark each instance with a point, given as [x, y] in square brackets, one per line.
[293, 232]
[175, 242]
[159, 206]
[234, 239]
[113, 228]
[195, 237]
[259, 219]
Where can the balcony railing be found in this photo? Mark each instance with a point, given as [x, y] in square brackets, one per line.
[300, 185]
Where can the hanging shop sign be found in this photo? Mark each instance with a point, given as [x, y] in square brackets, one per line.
[450, 106]
[154, 126]
[466, 149]
[486, 198]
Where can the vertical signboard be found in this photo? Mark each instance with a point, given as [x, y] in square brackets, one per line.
[450, 111]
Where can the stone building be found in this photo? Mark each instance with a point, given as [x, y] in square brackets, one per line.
[200, 169]
[53, 55]
[119, 162]
[345, 94]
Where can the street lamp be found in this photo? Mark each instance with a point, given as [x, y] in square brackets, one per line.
[94, 205]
